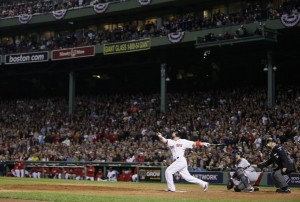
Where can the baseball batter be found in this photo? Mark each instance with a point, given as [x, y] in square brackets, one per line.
[178, 147]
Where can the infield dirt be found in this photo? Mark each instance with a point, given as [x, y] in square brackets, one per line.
[149, 190]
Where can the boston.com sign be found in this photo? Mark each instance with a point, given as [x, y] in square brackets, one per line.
[26, 58]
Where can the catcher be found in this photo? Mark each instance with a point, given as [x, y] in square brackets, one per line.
[244, 177]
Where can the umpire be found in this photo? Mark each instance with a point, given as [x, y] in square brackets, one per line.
[285, 166]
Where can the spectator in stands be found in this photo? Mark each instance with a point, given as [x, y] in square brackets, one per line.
[241, 32]
[237, 136]
[185, 22]
[297, 138]
[194, 168]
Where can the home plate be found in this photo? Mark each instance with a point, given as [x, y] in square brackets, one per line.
[176, 191]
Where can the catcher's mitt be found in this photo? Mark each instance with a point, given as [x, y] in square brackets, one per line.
[230, 184]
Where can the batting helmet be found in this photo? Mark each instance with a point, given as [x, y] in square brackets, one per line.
[178, 133]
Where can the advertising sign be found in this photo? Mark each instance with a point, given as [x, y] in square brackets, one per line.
[149, 174]
[211, 177]
[42, 56]
[292, 179]
[126, 47]
[71, 53]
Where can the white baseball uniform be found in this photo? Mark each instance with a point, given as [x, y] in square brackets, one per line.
[178, 148]
[112, 175]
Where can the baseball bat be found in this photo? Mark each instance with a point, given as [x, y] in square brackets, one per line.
[217, 144]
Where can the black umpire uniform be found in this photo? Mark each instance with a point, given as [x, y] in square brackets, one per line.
[284, 166]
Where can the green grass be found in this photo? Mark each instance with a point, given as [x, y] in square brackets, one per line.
[82, 197]
[60, 197]
[31, 181]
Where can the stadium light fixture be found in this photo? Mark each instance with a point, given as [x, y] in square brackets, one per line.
[96, 76]
[206, 53]
[265, 69]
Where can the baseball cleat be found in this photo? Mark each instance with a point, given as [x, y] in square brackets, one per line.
[205, 188]
[287, 191]
[250, 189]
[168, 190]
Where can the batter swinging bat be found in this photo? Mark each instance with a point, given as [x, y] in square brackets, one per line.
[216, 144]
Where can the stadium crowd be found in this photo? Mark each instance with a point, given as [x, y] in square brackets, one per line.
[191, 21]
[121, 128]
[14, 8]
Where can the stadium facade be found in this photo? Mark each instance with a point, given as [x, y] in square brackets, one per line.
[112, 46]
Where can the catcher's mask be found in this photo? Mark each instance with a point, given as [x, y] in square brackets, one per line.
[239, 153]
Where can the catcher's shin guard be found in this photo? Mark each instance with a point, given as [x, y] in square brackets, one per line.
[244, 179]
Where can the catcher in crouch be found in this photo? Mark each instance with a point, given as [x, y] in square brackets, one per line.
[244, 177]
